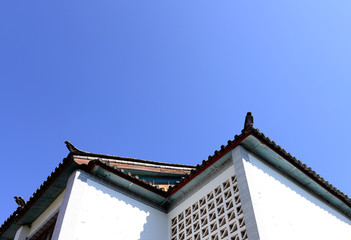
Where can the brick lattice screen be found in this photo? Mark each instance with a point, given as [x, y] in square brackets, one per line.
[216, 216]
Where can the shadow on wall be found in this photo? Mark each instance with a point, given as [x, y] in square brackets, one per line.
[106, 213]
[292, 197]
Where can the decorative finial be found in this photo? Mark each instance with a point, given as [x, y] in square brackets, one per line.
[20, 201]
[72, 148]
[248, 121]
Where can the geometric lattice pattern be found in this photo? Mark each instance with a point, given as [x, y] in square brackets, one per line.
[216, 216]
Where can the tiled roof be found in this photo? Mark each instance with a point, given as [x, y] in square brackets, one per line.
[210, 160]
[128, 176]
[302, 167]
[75, 151]
[20, 211]
[278, 149]
[236, 141]
[248, 130]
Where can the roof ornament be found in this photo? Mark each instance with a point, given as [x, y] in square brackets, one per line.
[248, 121]
[72, 148]
[20, 201]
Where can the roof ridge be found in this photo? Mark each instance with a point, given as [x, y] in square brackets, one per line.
[75, 151]
[247, 131]
[216, 154]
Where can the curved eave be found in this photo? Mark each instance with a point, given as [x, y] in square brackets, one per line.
[201, 176]
[127, 181]
[296, 171]
[250, 138]
[40, 200]
[97, 156]
[206, 168]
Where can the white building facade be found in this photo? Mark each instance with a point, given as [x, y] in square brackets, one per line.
[250, 189]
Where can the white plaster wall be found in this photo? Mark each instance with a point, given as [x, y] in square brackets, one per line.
[198, 194]
[283, 210]
[95, 211]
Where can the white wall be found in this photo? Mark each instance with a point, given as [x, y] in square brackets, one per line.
[285, 211]
[95, 211]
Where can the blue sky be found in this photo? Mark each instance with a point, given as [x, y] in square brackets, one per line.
[170, 81]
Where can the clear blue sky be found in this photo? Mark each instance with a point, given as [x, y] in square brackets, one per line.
[171, 81]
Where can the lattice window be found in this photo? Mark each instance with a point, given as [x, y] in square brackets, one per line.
[216, 216]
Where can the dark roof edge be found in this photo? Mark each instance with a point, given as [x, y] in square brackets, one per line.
[75, 151]
[250, 130]
[302, 167]
[21, 211]
[210, 160]
[127, 176]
